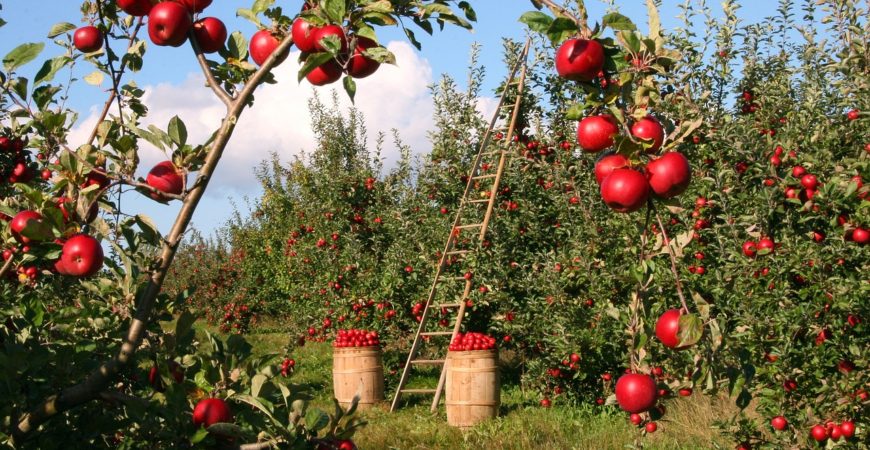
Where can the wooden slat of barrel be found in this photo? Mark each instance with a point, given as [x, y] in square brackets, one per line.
[353, 367]
[472, 385]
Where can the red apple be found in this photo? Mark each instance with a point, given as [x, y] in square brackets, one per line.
[82, 256]
[135, 7]
[165, 177]
[210, 411]
[168, 24]
[636, 393]
[649, 129]
[546, 403]
[303, 35]
[195, 6]
[651, 427]
[329, 30]
[88, 39]
[819, 433]
[750, 249]
[669, 176]
[860, 236]
[765, 245]
[263, 43]
[579, 59]
[595, 133]
[848, 429]
[607, 164]
[779, 423]
[359, 65]
[668, 328]
[809, 181]
[853, 114]
[326, 73]
[23, 220]
[625, 190]
[211, 34]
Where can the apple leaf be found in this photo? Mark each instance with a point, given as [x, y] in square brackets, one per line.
[19, 86]
[655, 25]
[59, 29]
[95, 78]
[335, 10]
[225, 429]
[381, 55]
[577, 111]
[377, 18]
[262, 5]
[49, 69]
[412, 38]
[22, 55]
[237, 45]
[536, 21]
[150, 233]
[379, 6]
[43, 95]
[561, 29]
[250, 15]
[257, 384]
[691, 330]
[468, 10]
[316, 420]
[618, 22]
[349, 87]
[177, 131]
[37, 230]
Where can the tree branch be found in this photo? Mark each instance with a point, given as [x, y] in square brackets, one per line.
[206, 70]
[6, 267]
[667, 242]
[99, 379]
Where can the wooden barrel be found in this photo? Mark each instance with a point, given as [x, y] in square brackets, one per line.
[358, 369]
[473, 388]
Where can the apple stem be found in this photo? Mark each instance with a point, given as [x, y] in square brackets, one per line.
[667, 243]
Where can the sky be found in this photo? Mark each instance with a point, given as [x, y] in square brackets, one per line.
[279, 120]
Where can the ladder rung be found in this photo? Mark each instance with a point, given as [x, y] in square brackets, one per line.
[455, 279]
[484, 177]
[418, 391]
[494, 152]
[472, 225]
[428, 361]
[458, 252]
[480, 200]
[436, 333]
[449, 305]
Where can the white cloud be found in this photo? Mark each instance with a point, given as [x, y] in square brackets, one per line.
[394, 97]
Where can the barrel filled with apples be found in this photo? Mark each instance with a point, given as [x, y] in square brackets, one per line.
[472, 385]
[358, 368]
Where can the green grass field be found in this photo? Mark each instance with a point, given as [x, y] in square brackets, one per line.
[521, 425]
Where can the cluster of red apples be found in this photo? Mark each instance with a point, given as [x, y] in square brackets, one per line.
[357, 338]
[625, 185]
[464, 342]
[170, 21]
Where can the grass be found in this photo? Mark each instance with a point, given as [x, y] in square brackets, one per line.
[521, 425]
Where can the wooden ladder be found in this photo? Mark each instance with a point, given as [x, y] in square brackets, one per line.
[503, 137]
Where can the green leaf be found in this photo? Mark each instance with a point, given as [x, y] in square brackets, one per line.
[349, 87]
[94, 78]
[177, 131]
[577, 111]
[19, 86]
[335, 10]
[257, 384]
[237, 46]
[468, 11]
[261, 6]
[691, 330]
[184, 324]
[59, 29]
[536, 21]
[561, 29]
[43, 95]
[618, 22]
[49, 69]
[22, 55]
[316, 420]
[250, 15]
[149, 230]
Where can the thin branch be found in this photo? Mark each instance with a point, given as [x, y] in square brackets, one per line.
[6, 267]
[209, 75]
[667, 242]
[115, 83]
[258, 445]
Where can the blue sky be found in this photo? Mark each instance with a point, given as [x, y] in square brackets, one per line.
[279, 121]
